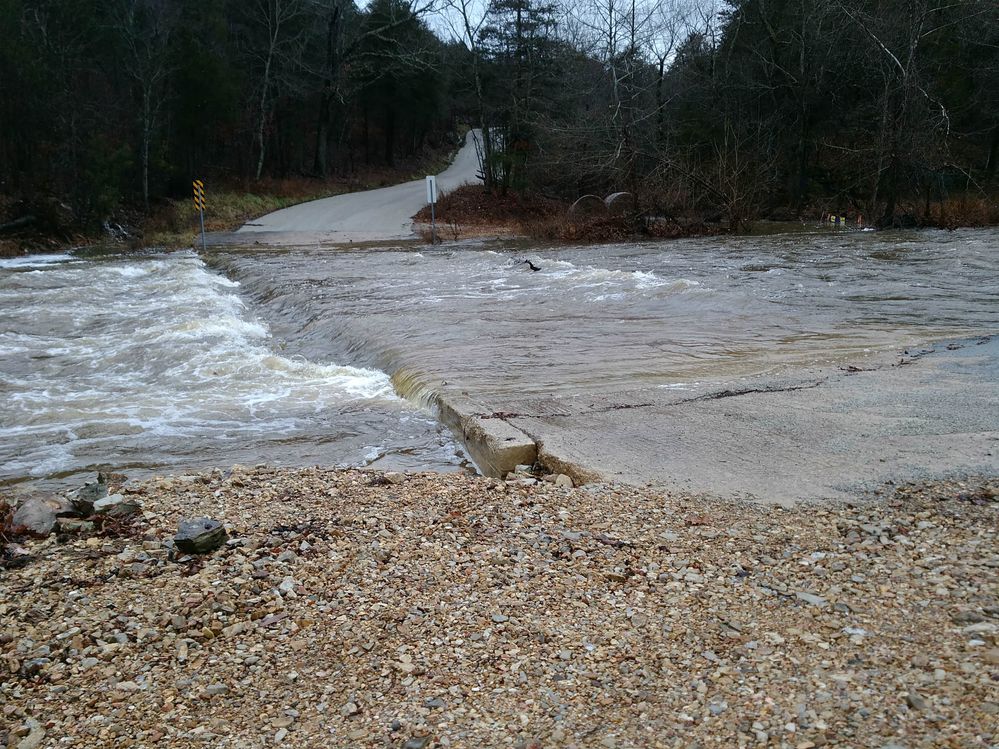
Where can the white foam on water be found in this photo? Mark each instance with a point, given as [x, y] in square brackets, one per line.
[130, 271]
[34, 261]
[111, 355]
[223, 327]
[589, 276]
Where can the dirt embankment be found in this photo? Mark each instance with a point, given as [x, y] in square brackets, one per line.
[473, 210]
[353, 608]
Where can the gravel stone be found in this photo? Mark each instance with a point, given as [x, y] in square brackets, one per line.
[538, 616]
[811, 598]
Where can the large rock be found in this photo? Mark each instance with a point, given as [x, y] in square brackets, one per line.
[36, 734]
[115, 505]
[61, 506]
[87, 495]
[199, 536]
[35, 517]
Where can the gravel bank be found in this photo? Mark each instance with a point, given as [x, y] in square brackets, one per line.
[349, 610]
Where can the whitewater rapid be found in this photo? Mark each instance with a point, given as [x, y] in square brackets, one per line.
[153, 362]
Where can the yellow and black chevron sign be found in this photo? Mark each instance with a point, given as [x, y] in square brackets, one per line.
[199, 195]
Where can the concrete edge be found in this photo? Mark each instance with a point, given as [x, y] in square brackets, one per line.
[274, 240]
[577, 473]
[496, 446]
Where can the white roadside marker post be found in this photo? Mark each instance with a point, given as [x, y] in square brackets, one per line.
[432, 199]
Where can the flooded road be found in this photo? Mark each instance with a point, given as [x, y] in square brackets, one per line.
[306, 356]
[607, 317]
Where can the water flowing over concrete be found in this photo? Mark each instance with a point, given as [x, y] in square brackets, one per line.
[372, 216]
[829, 432]
[785, 367]
[800, 365]
[147, 363]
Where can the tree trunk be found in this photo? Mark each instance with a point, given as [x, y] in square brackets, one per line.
[993, 157]
[366, 136]
[801, 183]
[265, 86]
[147, 127]
[660, 104]
[263, 114]
[321, 163]
[390, 137]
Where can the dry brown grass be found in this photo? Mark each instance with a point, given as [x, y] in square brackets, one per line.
[176, 222]
[566, 228]
[962, 211]
[473, 210]
[474, 205]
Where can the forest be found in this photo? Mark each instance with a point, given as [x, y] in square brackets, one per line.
[732, 112]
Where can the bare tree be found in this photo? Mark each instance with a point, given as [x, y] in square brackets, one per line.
[277, 51]
[344, 38]
[145, 27]
[635, 42]
[465, 19]
[332, 15]
[897, 44]
[671, 22]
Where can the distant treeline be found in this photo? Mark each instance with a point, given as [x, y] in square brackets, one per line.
[754, 108]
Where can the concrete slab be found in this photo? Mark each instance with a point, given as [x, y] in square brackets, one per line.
[825, 434]
[495, 445]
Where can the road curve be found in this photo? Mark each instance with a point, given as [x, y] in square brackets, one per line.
[371, 216]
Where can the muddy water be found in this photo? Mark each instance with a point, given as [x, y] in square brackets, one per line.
[155, 363]
[601, 318]
[299, 357]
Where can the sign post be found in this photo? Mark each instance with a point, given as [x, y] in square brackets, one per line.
[199, 203]
[432, 199]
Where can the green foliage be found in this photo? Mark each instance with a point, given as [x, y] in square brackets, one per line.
[99, 190]
[102, 100]
[884, 108]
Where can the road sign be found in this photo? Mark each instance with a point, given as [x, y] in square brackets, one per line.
[199, 203]
[432, 199]
[199, 195]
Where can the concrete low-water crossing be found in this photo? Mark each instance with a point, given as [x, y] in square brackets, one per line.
[300, 356]
[475, 317]
[621, 361]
